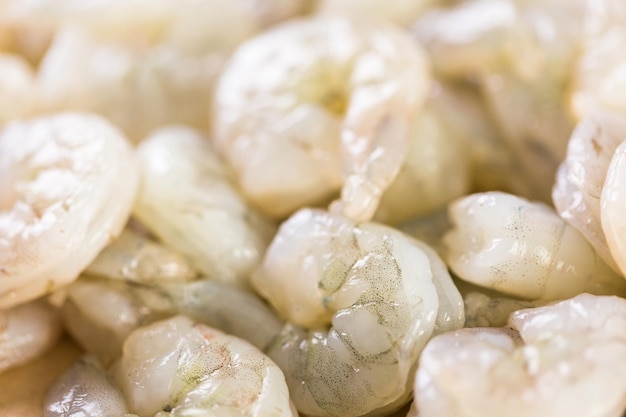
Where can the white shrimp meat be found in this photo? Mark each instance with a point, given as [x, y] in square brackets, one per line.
[316, 103]
[562, 360]
[360, 301]
[67, 185]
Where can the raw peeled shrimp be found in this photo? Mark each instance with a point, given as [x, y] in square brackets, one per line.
[580, 179]
[524, 249]
[361, 301]
[613, 203]
[179, 368]
[27, 331]
[134, 257]
[297, 102]
[67, 185]
[85, 390]
[562, 360]
[188, 199]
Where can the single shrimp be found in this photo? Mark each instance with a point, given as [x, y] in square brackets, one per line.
[555, 361]
[67, 185]
[311, 95]
[402, 12]
[134, 257]
[178, 368]
[85, 389]
[17, 88]
[188, 199]
[581, 177]
[26, 332]
[509, 244]
[360, 301]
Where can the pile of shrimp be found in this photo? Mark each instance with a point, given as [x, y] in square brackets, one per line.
[330, 208]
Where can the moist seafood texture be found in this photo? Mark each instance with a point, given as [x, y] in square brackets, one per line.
[436, 170]
[17, 82]
[67, 185]
[178, 368]
[133, 257]
[85, 390]
[556, 361]
[26, 332]
[522, 248]
[316, 103]
[482, 310]
[188, 199]
[581, 177]
[361, 301]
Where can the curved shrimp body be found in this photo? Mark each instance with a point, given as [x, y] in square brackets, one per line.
[304, 98]
[555, 361]
[525, 249]
[361, 301]
[189, 201]
[581, 177]
[27, 331]
[178, 368]
[613, 202]
[67, 185]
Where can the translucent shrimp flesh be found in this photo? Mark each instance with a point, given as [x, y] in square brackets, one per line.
[67, 185]
[613, 203]
[555, 361]
[578, 188]
[178, 368]
[360, 301]
[189, 200]
[522, 248]
[26, 332]
[85, 389]
[133, 257]
[308, 99]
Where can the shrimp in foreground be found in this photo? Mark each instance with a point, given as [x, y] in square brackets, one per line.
[578, 188]
[27, 331]
[613, 203]
[556, 361]
[67, 185]
[305, 99]
[178, 368]
[361, 301]
[188, 199]
[85, 389]
[509, 244]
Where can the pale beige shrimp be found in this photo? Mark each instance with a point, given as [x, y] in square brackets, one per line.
[85, 389]
[581, 177]
[522, 248]
[178, 368]
[360, 300]
[67, 185]
[297, 102]
[435, 171]
[402, 12]
[189, 200]
[26, 332]
[134, 257]
[556, 361]
[17, 88]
